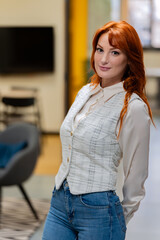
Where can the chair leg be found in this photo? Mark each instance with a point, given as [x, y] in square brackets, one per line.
[28, 201]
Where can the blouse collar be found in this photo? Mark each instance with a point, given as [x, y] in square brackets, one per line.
[108, 92]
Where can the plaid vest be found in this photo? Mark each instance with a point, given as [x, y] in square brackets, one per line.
[91, 153]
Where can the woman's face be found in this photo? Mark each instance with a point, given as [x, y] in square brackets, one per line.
[110, 63]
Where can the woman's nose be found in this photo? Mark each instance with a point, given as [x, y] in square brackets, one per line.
[105, 59]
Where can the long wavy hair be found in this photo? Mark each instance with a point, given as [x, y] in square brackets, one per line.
[123, 36]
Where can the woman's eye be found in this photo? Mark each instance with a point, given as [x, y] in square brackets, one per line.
[99, 49]
[115, 53]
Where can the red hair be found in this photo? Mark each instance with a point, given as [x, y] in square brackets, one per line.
[123, 36]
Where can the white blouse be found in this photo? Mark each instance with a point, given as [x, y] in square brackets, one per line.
[133, 140]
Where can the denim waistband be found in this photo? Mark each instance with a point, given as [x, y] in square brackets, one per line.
[65, 186]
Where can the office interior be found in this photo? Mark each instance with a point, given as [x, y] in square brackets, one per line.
[74, 23]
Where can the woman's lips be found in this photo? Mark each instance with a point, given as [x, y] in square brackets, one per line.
[104, 68]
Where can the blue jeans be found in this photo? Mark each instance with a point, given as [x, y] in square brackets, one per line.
[93, 216]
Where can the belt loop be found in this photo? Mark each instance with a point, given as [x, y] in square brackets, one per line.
[65, 184]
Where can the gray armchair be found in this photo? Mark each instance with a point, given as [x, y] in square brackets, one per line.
[22, 164]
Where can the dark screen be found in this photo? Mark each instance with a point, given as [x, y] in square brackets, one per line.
[26, 49]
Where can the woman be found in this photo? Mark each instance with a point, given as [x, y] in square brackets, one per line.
[109, 120]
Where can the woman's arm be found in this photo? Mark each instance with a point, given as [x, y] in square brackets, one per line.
[134, 142]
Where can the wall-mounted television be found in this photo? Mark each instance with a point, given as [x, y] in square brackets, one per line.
[26, 50]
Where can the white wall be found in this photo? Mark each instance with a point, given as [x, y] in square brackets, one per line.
[51, 86]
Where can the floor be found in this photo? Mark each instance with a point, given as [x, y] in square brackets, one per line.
[50, 158]
[144, 225]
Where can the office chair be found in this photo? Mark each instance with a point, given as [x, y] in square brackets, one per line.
[21, 165]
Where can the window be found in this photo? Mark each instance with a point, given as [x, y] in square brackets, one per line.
[144, 15]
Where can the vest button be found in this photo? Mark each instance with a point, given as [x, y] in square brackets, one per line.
[68, 160]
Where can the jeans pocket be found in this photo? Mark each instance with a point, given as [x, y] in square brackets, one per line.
[95, 200]
[120, 215]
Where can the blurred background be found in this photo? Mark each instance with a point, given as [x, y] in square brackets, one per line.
[45, 49]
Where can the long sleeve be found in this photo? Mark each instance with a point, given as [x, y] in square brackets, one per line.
[134, 142]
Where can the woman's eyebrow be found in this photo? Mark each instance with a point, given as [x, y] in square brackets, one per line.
[111, 48]
[99, 45]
